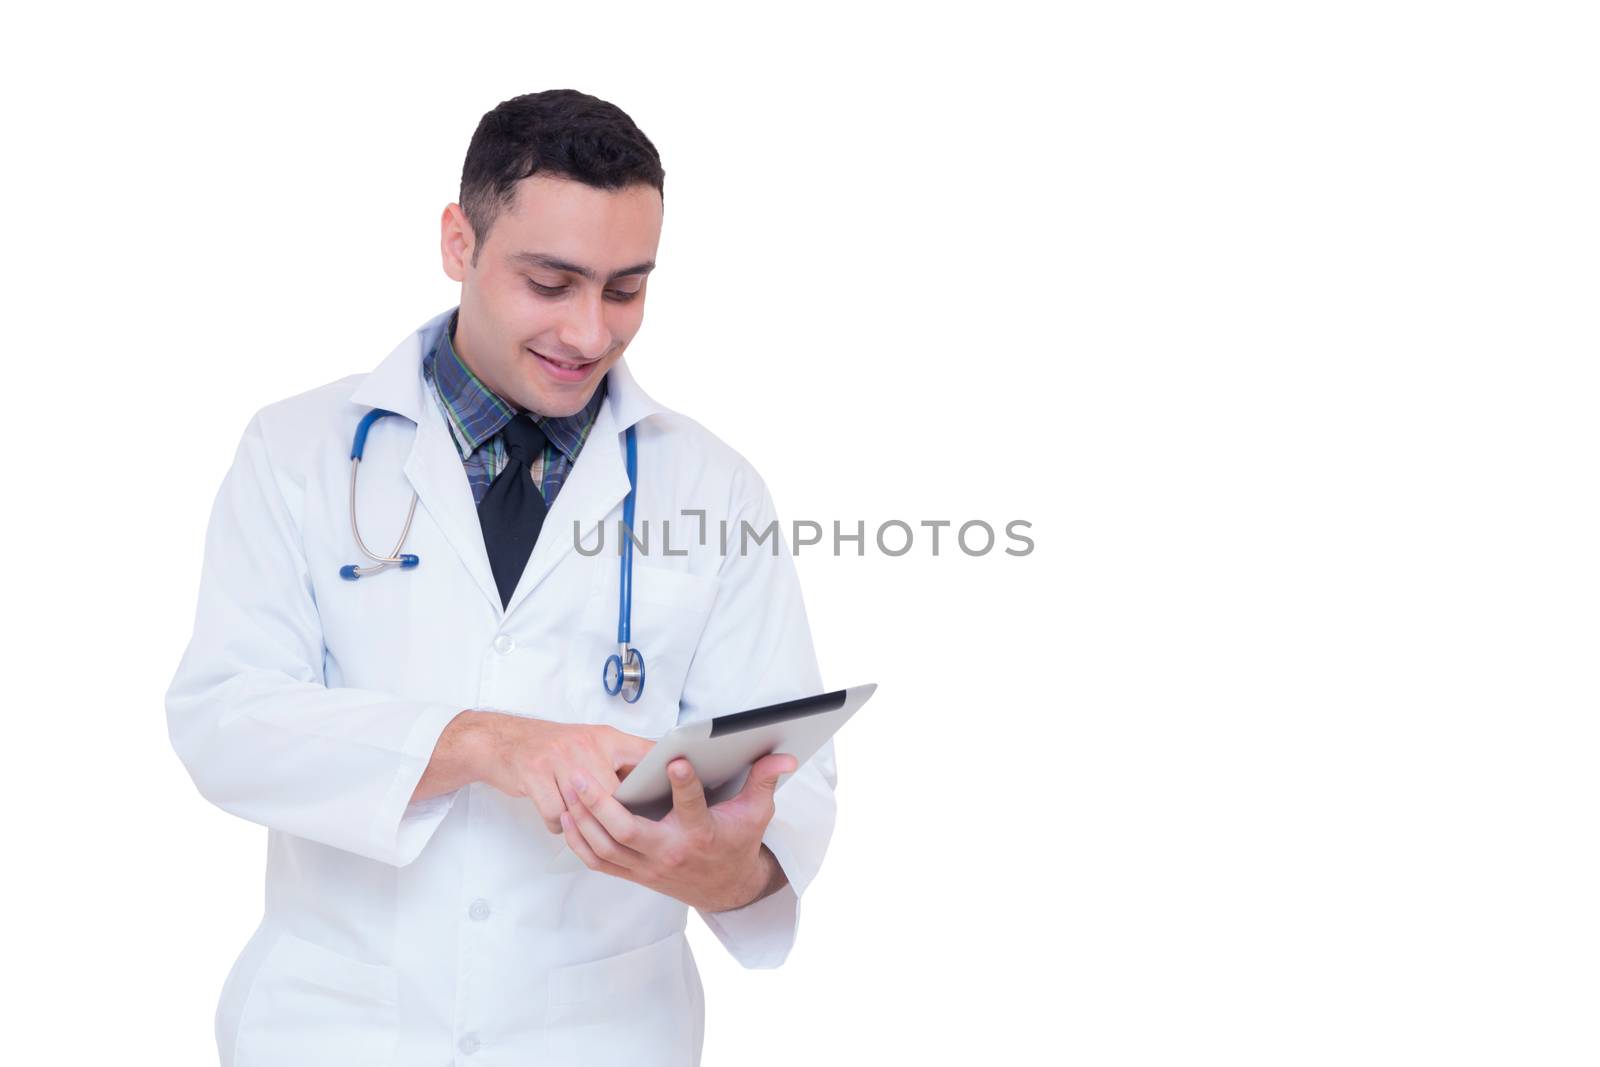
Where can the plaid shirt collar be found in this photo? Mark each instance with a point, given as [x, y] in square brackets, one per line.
[476, 414]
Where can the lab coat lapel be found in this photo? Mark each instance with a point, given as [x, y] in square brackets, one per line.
[433, 467]
[435, 471]
[597, 483]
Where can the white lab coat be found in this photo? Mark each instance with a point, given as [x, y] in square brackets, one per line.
[459, 929]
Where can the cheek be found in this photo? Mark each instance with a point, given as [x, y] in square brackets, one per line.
[624, 321]
[534, 318]
[514, 301]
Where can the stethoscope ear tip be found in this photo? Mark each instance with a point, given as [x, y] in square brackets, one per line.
[350, 572]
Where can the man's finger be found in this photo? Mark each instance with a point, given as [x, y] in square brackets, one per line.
[763, 780]
[688, 794]
[546, 796]
[581, 849]
[600, 842]
[605, 779]
[627, 750]
[622, 826]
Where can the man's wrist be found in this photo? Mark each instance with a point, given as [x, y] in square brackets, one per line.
[460, 756]
[479, 746]
[767, 878]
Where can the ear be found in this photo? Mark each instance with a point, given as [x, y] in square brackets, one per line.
[456, 242]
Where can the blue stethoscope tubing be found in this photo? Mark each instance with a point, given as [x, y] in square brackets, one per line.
[350, 571]
[623, 672]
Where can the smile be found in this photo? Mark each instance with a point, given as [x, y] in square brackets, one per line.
[566, 372]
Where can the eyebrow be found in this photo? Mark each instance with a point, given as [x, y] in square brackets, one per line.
[540, 259]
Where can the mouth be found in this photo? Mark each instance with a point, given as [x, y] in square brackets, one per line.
[564, 371]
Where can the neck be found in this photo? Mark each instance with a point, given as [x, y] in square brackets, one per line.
[463, 344]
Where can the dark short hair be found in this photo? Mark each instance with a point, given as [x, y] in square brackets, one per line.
[559, 132]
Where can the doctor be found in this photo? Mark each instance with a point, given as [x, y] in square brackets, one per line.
[432, 748]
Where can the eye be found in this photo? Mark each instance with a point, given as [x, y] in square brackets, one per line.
[617, 296]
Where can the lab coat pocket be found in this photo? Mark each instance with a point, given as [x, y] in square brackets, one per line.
[641, 1006]
[670, 610]
[309, 1004]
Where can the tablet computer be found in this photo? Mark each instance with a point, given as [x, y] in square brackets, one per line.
[722, 749]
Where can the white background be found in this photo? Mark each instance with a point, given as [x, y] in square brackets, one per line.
[1277, 322]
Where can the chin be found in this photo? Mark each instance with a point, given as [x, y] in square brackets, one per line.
[557, 403]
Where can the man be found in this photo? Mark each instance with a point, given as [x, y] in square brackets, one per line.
[430, 746]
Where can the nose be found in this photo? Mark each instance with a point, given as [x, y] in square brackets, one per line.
[584, 328]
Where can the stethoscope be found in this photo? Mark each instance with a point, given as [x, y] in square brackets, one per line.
[624, 671]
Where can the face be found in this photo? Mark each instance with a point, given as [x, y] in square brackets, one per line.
[558, 290]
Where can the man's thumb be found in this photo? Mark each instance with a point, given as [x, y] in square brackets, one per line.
[768, 769]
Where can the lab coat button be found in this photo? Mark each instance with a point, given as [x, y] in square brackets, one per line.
[504, 644]
[468, 1044]
[479, 910]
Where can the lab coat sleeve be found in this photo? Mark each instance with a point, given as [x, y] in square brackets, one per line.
[756, 649]
[248, 713]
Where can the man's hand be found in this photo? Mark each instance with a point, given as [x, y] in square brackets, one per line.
[708, 857]
[531, 758]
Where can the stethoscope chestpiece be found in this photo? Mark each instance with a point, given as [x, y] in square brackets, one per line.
[627, 680]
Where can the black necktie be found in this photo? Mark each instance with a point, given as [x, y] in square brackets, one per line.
[512, 511]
